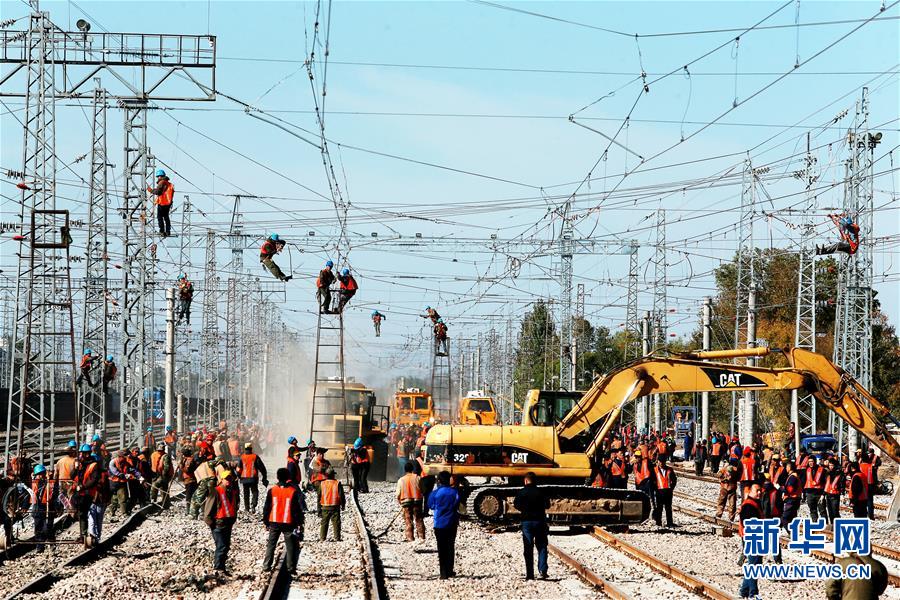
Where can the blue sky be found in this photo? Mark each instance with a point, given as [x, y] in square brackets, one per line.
[509, 122]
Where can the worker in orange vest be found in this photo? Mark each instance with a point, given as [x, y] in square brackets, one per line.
[868, 466]
[163, 471]
[272, 246]
[748, 469]
[618, 471]
[65, 468]
[250, 468]
[331, 503]
[87, 363]
[295, 470]
[409, 495]
[664, 481]
[359, 466]
[835, 482]
[643, 475]
[165, 193]
[813, 487]
[715, 454]
[283, 511]
[792, 495]
[318, 468]
[323, 288]
[347, 290]
[222, 516]
[44, 492]
[91, 495]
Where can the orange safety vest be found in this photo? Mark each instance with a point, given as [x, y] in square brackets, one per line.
[248, 466]
[234, 447]
[409, 488]
[165, 199]
[227, 505]
[661, 447]
[348, 284]
[617, 469]
[717, 449]
[42, 496]
[64, 468]
[641, 471]
[281, 504]
[748, 473]
[813, 482]
[864, 495]
[775, 475]
[867, 472]
[662, 478]
[330, 493]
[156, 462]
[831, 485]
[755, 505]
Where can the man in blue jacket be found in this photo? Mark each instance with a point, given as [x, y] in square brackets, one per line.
[444, 504]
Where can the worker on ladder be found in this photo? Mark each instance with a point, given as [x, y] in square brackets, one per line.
[272, 246]
[377, 318]
[87, 363]
[164, 192]
[323, 288]
[347, 290]
[185, 297]
[109, 371]
[441, 345]
[432, 314]
[849, 232]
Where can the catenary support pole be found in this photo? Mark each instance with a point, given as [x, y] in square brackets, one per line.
[170, 355]
[707, 341]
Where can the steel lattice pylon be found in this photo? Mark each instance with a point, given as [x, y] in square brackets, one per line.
[209, 338]
[183, 342]
[853, 327]
[566, 250]
[632, 323]
[136, 370]
[660, 282]
[803, 406]
[745, 280]
[43, 322]
[92, 399]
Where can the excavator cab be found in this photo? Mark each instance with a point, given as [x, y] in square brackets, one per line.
[548, 407]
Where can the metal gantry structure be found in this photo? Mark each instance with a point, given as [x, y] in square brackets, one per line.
[853, 326]
[96, 315]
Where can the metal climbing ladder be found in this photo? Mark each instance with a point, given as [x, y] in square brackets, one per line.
[440, 382]
[331, 423]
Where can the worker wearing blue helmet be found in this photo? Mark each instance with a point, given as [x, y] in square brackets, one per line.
[45, 493]
[88, 360]
[347, 290]
[359, 466]
[323, 288]
[90, 495]
[432, 314]
[272, 246]
[377, 318]
[165, 193]
[110, 370]
[441, 342]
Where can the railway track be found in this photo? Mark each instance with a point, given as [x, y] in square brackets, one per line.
[884, 551]
[587, 575]
[709, 479]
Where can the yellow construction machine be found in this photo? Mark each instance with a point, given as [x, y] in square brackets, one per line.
[561, 455]
[477, 408]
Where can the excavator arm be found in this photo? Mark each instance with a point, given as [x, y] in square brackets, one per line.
[809, 371]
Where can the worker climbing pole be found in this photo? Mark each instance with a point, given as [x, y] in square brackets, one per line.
[165, 193]
[849, 233]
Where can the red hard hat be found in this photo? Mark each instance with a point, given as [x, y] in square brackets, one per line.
[748, 452]
[203, 446]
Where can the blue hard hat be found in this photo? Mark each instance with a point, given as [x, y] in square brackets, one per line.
[427, 308]
[309, 441]
[328, 263]
[358, 443]
[274, 237]
[96, 438]
[38, 469]
[168, 428]
[182, 276]
[150, 428]
[160, 173]
[292, 440]
[345, 272]
[88, 351]
[846, 220]
[109, 357]
[71, 444]
[85, 448]
[440, 320]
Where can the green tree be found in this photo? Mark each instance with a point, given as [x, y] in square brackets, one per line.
[537, 353]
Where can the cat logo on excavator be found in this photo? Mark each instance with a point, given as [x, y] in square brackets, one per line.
[721, 378]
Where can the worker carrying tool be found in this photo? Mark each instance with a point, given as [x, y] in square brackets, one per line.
[272, 246]
[87, 363]
[323, 288]
[432, 314]
[377, 318]
[441, 345]
[164, 192]
[849, 232]
[185, 297]
[347, 290]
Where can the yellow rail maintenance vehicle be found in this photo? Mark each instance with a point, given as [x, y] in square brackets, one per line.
[412, 406]
[477, 408]
[363, 418]
[562, 454]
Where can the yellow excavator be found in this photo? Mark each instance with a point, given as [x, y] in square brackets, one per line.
[562, 455]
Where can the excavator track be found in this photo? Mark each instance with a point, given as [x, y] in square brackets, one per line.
[569, 505]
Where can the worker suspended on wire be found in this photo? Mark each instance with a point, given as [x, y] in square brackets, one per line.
[164, 192]
[272, 246]
[87, 363]
[185, 297]
[441, 345]
[432, 314]
[849, 232]
[323, 288]
[377, 318]
[347, 290]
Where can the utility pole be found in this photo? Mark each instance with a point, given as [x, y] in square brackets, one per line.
[579, 315]
[183, 351]
[707, 345]
[566, 251]
[643, 414]
[748, 423]
[746, 279]
[660, 310]
[632, 325]
[170, 355]
[209, 350]
[803, 408]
